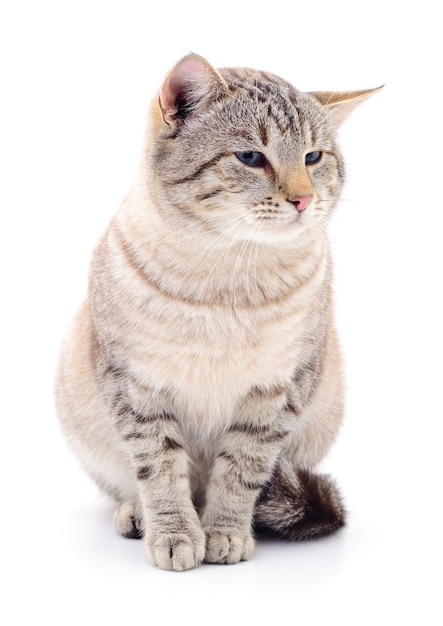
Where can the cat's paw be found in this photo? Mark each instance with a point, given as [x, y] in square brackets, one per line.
[176, 551]
[226, 545]
[128, 521]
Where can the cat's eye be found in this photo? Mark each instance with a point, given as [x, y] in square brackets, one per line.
[253, 159]
[313, 157]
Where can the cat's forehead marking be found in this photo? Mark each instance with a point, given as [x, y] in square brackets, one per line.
[271, 104]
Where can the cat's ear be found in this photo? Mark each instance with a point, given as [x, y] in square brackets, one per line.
[341, 103]
[188, 87]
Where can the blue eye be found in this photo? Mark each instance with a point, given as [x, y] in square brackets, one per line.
[313, 157]
[253, 159]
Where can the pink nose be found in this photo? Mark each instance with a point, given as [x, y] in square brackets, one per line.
[300, 202]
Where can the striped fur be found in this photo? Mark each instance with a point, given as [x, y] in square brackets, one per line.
[200, 383]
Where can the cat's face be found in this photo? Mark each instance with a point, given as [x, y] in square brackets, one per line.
[245, 152]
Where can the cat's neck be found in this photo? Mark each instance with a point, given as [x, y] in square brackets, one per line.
[190, 260]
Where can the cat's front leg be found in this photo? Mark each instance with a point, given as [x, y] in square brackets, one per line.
[174, 538]
[245, 460]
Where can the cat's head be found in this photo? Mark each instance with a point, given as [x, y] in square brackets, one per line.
[246, 153]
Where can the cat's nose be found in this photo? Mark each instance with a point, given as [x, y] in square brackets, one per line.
[300, 202]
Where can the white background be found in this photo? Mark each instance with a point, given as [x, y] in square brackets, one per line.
[76, 81]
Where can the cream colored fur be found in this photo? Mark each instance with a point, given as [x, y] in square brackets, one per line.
[209, 316]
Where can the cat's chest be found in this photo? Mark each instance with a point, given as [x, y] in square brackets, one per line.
[210, 359]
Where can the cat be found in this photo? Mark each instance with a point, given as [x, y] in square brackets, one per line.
[201, 381]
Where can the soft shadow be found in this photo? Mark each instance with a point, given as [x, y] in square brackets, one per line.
[320, 558]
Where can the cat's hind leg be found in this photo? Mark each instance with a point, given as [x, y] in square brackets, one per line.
[299, 504]
[128, 520]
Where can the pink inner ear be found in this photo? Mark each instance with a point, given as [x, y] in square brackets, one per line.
[190, 65]
[170, 92]
[171, 89]
[175, 85]
[189, 84]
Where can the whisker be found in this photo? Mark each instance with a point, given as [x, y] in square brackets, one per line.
[184, 236]
[213, 244]
[249, 264]
[235, 273]
[220, 259]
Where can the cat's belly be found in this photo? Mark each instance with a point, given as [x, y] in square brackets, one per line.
[209, 364]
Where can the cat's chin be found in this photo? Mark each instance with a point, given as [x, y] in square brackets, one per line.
[279, 230]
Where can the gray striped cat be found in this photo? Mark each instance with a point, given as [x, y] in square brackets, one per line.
[200, 383]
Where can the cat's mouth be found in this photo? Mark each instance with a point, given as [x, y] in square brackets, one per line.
[277, 227]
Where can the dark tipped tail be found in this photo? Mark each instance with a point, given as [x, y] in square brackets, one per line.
[299, 505]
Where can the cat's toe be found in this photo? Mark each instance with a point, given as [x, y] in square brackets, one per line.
[128, 521]
[176, 551]
[228, 546]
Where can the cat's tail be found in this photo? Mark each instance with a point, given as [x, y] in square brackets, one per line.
[299, 505]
